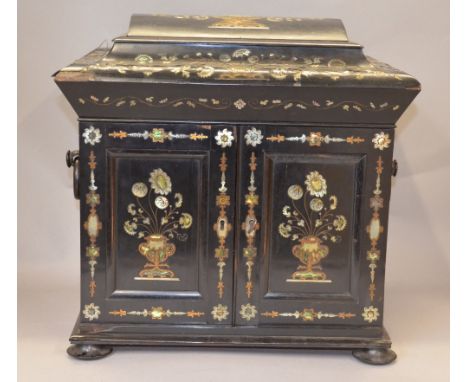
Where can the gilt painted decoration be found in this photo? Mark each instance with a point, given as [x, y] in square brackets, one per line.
[311, 220]
[157, 221]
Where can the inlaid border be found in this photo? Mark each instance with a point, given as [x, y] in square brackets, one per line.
[92, 224]
[375, 229]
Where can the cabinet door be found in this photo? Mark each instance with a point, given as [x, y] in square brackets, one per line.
[313, 216]
[157, 237]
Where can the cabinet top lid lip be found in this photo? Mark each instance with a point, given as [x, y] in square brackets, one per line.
[241, 29]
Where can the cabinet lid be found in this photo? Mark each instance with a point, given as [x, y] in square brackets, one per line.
[238, 29]
[291, 68]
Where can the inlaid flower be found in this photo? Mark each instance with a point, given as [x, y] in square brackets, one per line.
[253, 137]
[316, 204]
[161, 202]
[241, 53]
[205, 71]
[315, 139]
[131, 209]
[91, 312]
[144, 59]
[160, 182]
[157, 313]
[92, 135]
[381, 141]
[220, 312]
[130, 227]
[287, 211]
[316, 184]
[178, 200]
[185, 221]
[139, 189]
[93, 199]
[376, 202]
[295, 192]
[224, 138]
[239, 104]
[339, 223]
[248, 312]
[284, 230]
[370, 314]
[373, 255]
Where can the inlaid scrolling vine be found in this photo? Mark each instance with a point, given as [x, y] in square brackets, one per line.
[243, 64]
[239, 104]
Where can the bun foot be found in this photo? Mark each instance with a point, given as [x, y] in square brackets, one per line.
[88, 352]
[375, 356]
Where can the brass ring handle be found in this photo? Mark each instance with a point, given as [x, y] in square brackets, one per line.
[394, 167]
[72, 158]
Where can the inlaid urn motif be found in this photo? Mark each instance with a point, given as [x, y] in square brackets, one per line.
[155, 217]
[311, 221]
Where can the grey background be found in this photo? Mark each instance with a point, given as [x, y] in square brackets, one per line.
[411, 35]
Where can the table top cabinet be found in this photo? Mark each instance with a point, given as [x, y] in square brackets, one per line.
[234, 179]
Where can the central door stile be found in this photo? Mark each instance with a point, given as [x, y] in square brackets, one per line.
[248, 225]
[222, 192]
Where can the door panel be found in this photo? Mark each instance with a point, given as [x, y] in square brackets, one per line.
[312, 231]
[158, 207]
[159, 251]
[320, 224]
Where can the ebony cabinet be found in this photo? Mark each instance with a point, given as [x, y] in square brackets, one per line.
[234, 181]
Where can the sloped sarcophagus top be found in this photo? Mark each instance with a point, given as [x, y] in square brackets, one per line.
[301, 69]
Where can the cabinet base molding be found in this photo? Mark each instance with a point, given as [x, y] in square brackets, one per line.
[369, 344]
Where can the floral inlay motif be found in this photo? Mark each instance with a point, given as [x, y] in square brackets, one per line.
[381, 141]
[248, 312]
[308, 314]
[253, 137]
[92, 135]
[92, 224]
[314, 139]
[156, 313]
[224, 138]
[239, 104]
[157, 226]
[370, 314]
[91, 312]
[375, 229]
[222, 227]
[312, 225]
[220, 312]
[250, 226]
[157, 135]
